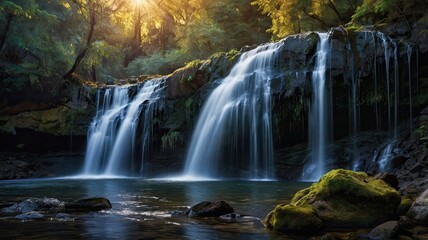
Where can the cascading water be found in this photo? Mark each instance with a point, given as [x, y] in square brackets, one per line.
[102, 130]
[354, 111]
[319, 112]
[388, 95]
[385, 156]
[409, 62]
[238, 109]
[112, 135]
[396, 92]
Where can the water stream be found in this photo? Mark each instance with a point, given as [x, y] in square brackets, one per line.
[238, 109]
[112, 147]
[319, 112]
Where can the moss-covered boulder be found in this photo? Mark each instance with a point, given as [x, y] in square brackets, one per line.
[341, 199]
[287, 218]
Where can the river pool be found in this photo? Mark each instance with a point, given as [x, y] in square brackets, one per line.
[142, 208]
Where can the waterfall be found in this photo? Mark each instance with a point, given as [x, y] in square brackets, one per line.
[396, 90]
[112, 136]
[378, 125]
[409, 62]
[385, 157]
[238, 110]
[387, 57]
[354, 111]
[319, 112]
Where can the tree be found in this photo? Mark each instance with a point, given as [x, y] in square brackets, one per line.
[94, 11]
[295, 16]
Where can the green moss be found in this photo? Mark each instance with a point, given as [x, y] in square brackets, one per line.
[354, 28]
[232, 55]
[289, 218]
[356, 185]
[420, 132]
[170, 140]
[194, 64]
[350, 199]
[405, 204]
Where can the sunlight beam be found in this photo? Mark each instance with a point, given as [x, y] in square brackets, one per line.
[139, 2]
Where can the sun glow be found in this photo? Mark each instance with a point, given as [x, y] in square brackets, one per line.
[139, 2]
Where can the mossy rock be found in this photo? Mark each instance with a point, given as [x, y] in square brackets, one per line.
[287, 218]
[342, 199]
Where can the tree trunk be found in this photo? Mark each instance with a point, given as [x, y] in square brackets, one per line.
[333, 7]
[94, 73]
[6, 30]
[316, 18]
[82, 54]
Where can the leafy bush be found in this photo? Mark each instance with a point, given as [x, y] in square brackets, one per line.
[158, 64]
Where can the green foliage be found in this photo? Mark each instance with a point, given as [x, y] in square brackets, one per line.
[158, 64]
[170, 140]
[295, 16]
[372, 11]
[107, 59]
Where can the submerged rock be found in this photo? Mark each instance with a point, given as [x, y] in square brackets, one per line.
[341, 199]
[210, 209]
[239, 218]
[30, 216]
[88, 204]
[33, 204]
[62, 217]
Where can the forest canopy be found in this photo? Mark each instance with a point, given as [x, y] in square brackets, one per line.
[105, 40]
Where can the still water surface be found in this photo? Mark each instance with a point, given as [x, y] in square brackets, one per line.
[142, 208]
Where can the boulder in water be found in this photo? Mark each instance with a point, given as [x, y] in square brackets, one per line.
[341, 199]
[88, 204]
[210, 209]
[386, 230]
[33, 204]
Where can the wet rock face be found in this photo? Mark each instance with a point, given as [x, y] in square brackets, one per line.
[210, 209]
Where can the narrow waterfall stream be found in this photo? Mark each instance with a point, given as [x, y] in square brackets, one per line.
[238, 109]
[112, 139]
[319, 126]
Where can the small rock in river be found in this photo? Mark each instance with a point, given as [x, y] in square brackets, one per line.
[210, 209]
[88, 204]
